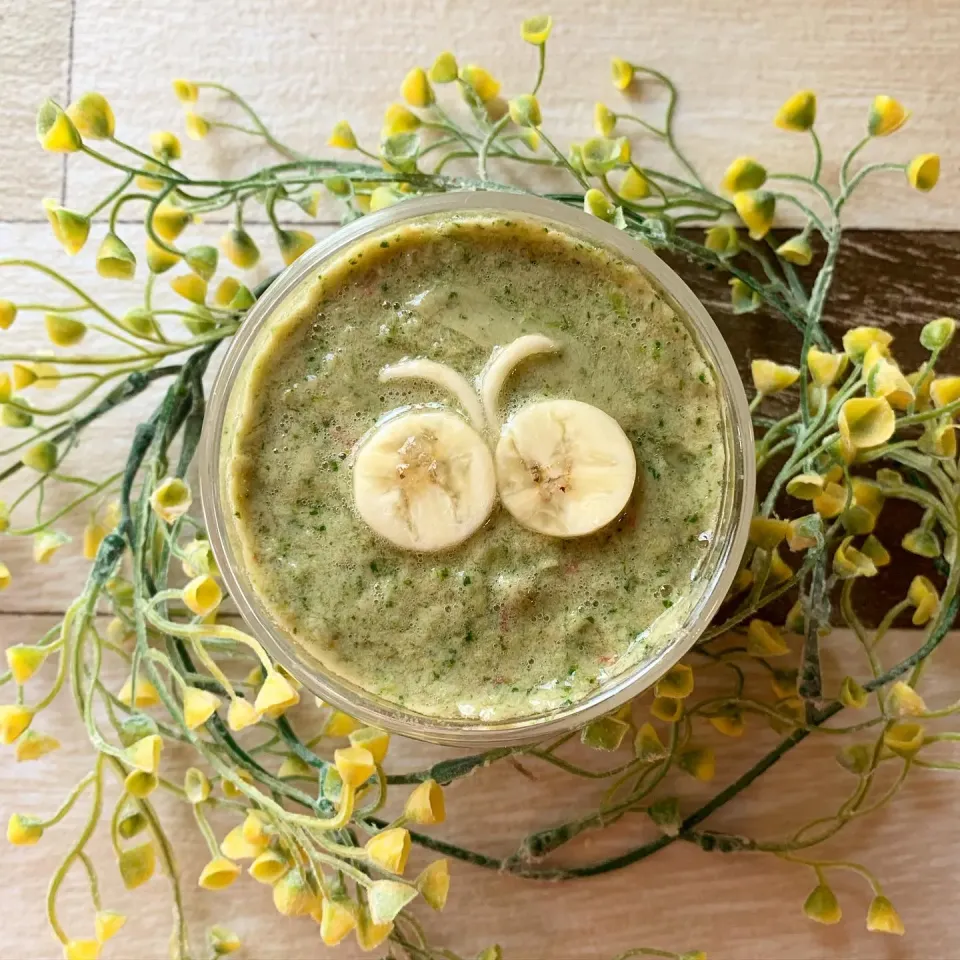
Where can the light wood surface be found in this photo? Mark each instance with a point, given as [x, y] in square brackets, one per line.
[316, 61]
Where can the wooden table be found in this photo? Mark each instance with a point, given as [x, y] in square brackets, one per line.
[316, 61]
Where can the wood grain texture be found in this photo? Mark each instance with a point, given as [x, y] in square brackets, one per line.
[734, 906]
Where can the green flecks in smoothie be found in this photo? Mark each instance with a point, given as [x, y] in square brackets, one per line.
[509, 622]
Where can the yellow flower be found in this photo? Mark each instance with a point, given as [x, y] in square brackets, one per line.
[197, 127]
[822, 905]
[63, 331]
[857, 342]
[338, 919]
[904, 738]
[223, 941]
[226, 291]
[535, 30]
[237, 847]
[165, 145]
[426, 804]
[238, 247]
[768, 532]
[525, 110]
[190, 287]
[159, 259]
[935, 335]
[340, 724]
[383, 197]
[115, 260]
[107, 924]
[202, 595]
[369, 934]
[848, 562]
[8, 313]
[241, 714]
[798, 113]
[852, 694]
[924, 597]
[825, 367]
[743, 174]
[33, 746]
[596, 204]
[218, 874]
[398, 119]
[729, 722]
[882, 917]
[268, 867]
[805, 486]
[621, 73]
[886, 116]
[677, 683]
[416, 89]
[196, 785]
[293, 243]
[604, 120]
[923, 171]
[92, 116]
[276, 695]
[647, 744]
[6, 392]
[186, 91]
[444, 69]
[374, 739]
[770, 377]
[24, 661]
[55, 130]
[875, 551]
[198, 706]
[944, 390]
[23, 831]
[14, 719]
[667, 709]
[483, 85]
[434, 883]
[144, 754]
[81, 950]
[171, 499]
[292, 895]
[47, 375]
[723, 240]
[342, 137]
[904, 701]
[41, 456]
[796, 250]
[389, 849]
[146, 695]
[23, 376]
[634, 186]
[69, 227]
[202, 260]
[137, 865]
[764, 640]
[46, 544]
[140, 784]
[756, 209]
[699, 762]
[866, 422]
[354, 764]
[169, 221]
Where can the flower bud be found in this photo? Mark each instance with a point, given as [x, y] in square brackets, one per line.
[338, 919]
[238, 247]
[237, 847]
[146, 693]
[426, 804]
[923, 171]
[822, 905]
[165, 145]
[857, 342]
[46, 544]
[525, 110]
[202, 260]
[140, 784]
[186, 91]
[145, 753]
[479, 81]
[241, 714]
[743, 174]
[634, 186]
[937, 334]
[796, 250]
[107, 924]
[667, 709]
[882, 917]
[621, 72]
[342, 137]
[23, 376]
[69, 227]
[852, 694]
[198, 706]
[42, 457]
[798, 113]
[292, 895]
[196, 785]
[92, 116]
[137, 865]
[677, 683]
[596, 204]
[756, 209]
[605, 733]
[904, 701]
[115, 260]
[171, 499]
[275, 696]
[699, 762]
[24, 661]
[535, 30]
[64, 331]
[222, 941]
[925, 599]
[444, 69]
[374, 739]
[8, 313]
[33, 746]
[383, 197]
[243, 299]
[728, 721]
[416, 89]
[293, 243]
[160, 259]
[764, 640]
[848, 562]
[723, 241]
[904, 738]
[226, 291]
[14, 417]
[55, 130]
[665, 813]
[81, 950]
[355, 765]
[886, 116]
[218, 874]
[770, 377]
[6, 392]
[389, 849]
[400, 151]
[604, 120]
[398, 119]
[23, 831]
[197, 127]
[131, 822]
[866, 422]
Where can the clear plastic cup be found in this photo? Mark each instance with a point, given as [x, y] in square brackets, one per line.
[718, 566]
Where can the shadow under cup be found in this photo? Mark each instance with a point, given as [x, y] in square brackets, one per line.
[718, 566]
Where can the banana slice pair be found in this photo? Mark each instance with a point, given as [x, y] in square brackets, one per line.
[426, 479]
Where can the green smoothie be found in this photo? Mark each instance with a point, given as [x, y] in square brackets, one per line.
[475, 598]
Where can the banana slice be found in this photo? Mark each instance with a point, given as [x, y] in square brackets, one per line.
[424, 480]
[564, 468]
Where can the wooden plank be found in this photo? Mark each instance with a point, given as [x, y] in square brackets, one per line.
[739, 905]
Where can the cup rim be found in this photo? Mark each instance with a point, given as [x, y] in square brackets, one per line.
[351, 698]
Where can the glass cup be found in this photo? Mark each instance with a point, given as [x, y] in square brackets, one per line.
[718, 566]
